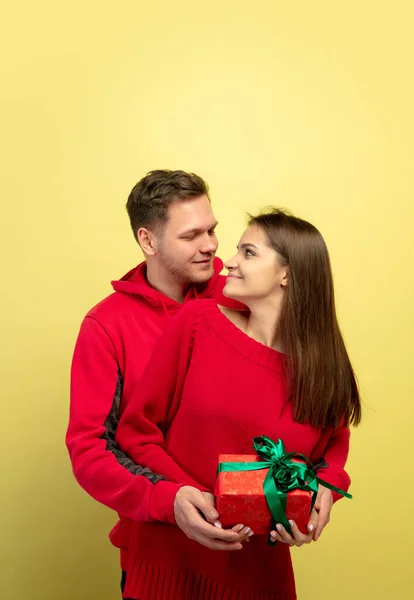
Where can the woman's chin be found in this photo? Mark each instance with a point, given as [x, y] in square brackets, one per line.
[228, 292]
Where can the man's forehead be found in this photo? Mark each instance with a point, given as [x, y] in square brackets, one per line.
[189, 215]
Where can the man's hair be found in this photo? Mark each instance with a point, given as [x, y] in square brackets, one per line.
[151, 197]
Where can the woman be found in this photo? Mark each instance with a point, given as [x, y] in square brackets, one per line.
[219, 378]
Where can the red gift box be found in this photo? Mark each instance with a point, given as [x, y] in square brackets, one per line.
[240, 498]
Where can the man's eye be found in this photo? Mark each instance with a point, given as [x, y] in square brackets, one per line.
[212, 232]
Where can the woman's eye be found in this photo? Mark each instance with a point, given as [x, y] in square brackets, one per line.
[249, 252]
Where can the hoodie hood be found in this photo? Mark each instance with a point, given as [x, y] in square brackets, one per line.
[135, 283]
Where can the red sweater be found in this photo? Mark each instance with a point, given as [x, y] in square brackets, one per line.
[115, 343]
[209, 389]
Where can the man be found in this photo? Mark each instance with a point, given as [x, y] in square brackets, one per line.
[173, 223]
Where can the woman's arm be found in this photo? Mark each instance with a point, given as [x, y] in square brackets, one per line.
[333, 472]
[335, 457]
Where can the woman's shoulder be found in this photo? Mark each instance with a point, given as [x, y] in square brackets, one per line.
[196, 314]
[237, 317]
[196, 309]
[210, 309]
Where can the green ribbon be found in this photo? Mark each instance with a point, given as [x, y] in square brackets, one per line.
[284, 475]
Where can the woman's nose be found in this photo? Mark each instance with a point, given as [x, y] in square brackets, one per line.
[231, 263]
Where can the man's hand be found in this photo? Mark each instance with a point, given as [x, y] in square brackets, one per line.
[188, 502]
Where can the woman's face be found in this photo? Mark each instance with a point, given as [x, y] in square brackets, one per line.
[255, 272]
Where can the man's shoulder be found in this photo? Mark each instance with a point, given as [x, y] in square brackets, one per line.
[107, 305]
[114, 306]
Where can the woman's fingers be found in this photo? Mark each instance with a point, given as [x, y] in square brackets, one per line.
[244, 532]
[297, 538]
[313, 520]
[323, 507]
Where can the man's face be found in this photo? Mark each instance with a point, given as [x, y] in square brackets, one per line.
[187, 243]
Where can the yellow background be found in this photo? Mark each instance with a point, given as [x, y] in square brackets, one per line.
[307, 105]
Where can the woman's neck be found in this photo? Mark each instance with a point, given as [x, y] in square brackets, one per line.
[262, 323]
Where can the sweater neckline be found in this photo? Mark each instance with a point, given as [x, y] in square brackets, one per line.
[246, 345]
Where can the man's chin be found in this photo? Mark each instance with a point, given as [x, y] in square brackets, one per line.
[202, 277]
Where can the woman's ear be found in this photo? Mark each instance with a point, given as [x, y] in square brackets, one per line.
[285, 278]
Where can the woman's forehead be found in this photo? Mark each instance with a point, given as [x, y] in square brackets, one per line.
[254, 235]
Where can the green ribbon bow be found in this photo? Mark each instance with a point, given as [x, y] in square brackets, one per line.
[284, 475]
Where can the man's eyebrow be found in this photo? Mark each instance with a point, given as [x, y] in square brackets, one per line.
[246, 245]
[198, 229]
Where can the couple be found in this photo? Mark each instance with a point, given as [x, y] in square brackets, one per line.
[258, 353]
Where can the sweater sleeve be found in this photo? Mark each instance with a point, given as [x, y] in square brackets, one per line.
[150, 411]
[99, 466]
[335, 456]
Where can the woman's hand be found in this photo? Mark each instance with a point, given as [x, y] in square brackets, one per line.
[320, 516]
[245, 533]
[323, 507]
[297, 538]
[189, 506]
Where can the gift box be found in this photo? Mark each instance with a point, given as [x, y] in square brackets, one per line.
[240, 496]
[269, 487]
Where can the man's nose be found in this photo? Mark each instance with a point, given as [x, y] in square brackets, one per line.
[209, 245]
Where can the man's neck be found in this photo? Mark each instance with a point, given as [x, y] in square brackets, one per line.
[166, 284]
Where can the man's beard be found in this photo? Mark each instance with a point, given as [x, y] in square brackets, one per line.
[184, 273]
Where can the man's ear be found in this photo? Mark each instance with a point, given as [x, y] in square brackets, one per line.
[147, 241]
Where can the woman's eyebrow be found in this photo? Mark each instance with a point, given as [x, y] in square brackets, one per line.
[245, 245]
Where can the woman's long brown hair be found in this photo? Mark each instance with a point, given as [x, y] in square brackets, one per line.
[320, 377]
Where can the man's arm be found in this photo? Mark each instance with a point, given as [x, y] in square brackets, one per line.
[99, 465]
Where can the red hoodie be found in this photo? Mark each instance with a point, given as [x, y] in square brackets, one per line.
[115, 342]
